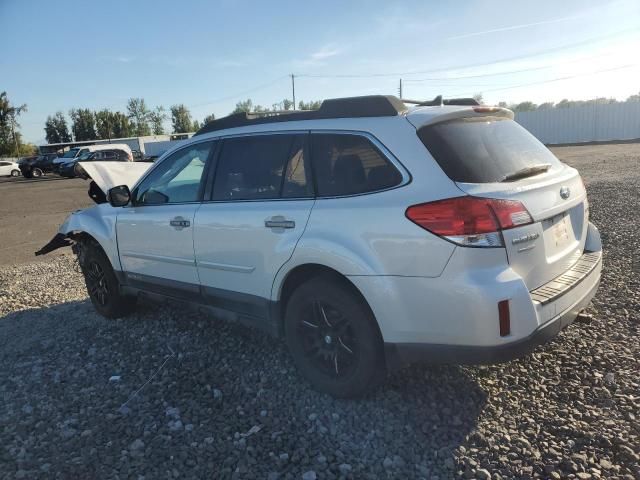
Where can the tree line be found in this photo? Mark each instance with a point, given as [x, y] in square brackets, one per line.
[564, 103]
[139, 120]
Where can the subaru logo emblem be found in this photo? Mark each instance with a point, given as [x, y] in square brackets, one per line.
[565, 192]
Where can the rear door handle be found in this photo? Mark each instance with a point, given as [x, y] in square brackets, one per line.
[279, 222]
[179, 223]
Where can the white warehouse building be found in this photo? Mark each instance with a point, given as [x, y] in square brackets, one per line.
[150, 145]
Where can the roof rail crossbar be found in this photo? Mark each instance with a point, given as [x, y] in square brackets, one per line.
[350, 107]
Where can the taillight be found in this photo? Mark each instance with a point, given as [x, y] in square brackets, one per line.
[470, 221]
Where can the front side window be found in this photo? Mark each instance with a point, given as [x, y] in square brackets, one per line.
[262, 167]
[177, 179]
[71, 153]
[346, 164]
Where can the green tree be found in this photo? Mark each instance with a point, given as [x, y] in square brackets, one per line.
[312, 105]
[524, 107]
[545, 106]
[121, 126]
[196, 126]
[50, 131]
[105, 124]
[208, 118]
[181, 119]
[10, 138]
[56, 130]
[478, 97]
[633, 98]
[139, 116]
[83, 124]
[157, 118]
[244, 106]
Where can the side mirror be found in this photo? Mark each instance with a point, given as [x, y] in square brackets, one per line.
[119, 196]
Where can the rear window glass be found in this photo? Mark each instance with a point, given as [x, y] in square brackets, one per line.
[349, 164]
[484, 149]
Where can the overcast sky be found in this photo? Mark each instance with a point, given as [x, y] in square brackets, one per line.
[60, 54]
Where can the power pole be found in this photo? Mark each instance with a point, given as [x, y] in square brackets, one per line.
[293, 89]
[400, 89]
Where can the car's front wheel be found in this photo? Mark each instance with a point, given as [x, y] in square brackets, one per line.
[333, 337]
[36, 172]
[102, 284]
[15, 173]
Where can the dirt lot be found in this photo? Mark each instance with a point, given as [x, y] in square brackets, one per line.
[32, 210]
[222, 401]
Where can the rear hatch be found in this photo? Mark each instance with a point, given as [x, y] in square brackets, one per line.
[494, 157]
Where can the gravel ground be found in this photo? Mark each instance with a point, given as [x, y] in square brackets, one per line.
[227, 402]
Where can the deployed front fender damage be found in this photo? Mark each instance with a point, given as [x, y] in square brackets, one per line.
[99, 221]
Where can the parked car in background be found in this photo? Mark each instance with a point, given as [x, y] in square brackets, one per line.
[76, 152]
[27, 159]
[39, 166]
[8, 168]
[67, 169]
[368, 234]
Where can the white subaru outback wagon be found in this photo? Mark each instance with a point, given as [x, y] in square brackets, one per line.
[366, 233]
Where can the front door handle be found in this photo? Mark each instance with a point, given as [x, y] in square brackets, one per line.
[179, 223]
[279, 222]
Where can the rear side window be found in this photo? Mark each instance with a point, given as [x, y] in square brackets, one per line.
[262, 167]
[350, 164]
[484, 149]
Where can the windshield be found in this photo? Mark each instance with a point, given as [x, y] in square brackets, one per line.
[85, 156]
[486, 149]
[71, 153]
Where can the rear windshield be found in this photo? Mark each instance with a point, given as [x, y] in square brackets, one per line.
[484, 149]
[71, 153]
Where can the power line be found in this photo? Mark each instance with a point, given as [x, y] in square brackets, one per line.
[559, 79]
[510, 72]
[238, 94]
[459, 67]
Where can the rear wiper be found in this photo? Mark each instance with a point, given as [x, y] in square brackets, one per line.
[526, 172]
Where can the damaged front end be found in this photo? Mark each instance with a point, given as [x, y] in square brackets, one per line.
[97, 223]
[59, 241]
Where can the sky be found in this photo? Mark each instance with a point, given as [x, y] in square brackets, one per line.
[208, 55]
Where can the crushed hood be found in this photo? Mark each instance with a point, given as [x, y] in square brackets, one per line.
[107, 175]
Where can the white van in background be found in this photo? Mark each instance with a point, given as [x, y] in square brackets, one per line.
[75, 152]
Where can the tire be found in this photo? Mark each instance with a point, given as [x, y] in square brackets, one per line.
[36, 173]
[333, 337]
[102, 284]
[15, 173]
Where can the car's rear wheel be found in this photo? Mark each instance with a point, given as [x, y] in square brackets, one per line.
[15, 173]
[36, 172]
[102, 284]
[333, 337]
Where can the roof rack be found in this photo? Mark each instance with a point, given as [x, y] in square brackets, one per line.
[439, 101]
[350, 107]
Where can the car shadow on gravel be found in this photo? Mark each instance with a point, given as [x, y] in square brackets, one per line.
[211, 388]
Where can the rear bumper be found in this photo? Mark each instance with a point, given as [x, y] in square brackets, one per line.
[398, 354]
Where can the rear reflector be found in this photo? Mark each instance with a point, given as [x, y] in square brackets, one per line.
[470, 221]
[504, 318]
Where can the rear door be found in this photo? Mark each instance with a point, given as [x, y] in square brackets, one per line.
[260, 202]
[494, 157]
[155, 235]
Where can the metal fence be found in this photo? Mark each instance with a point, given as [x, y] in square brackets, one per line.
[582, 124]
